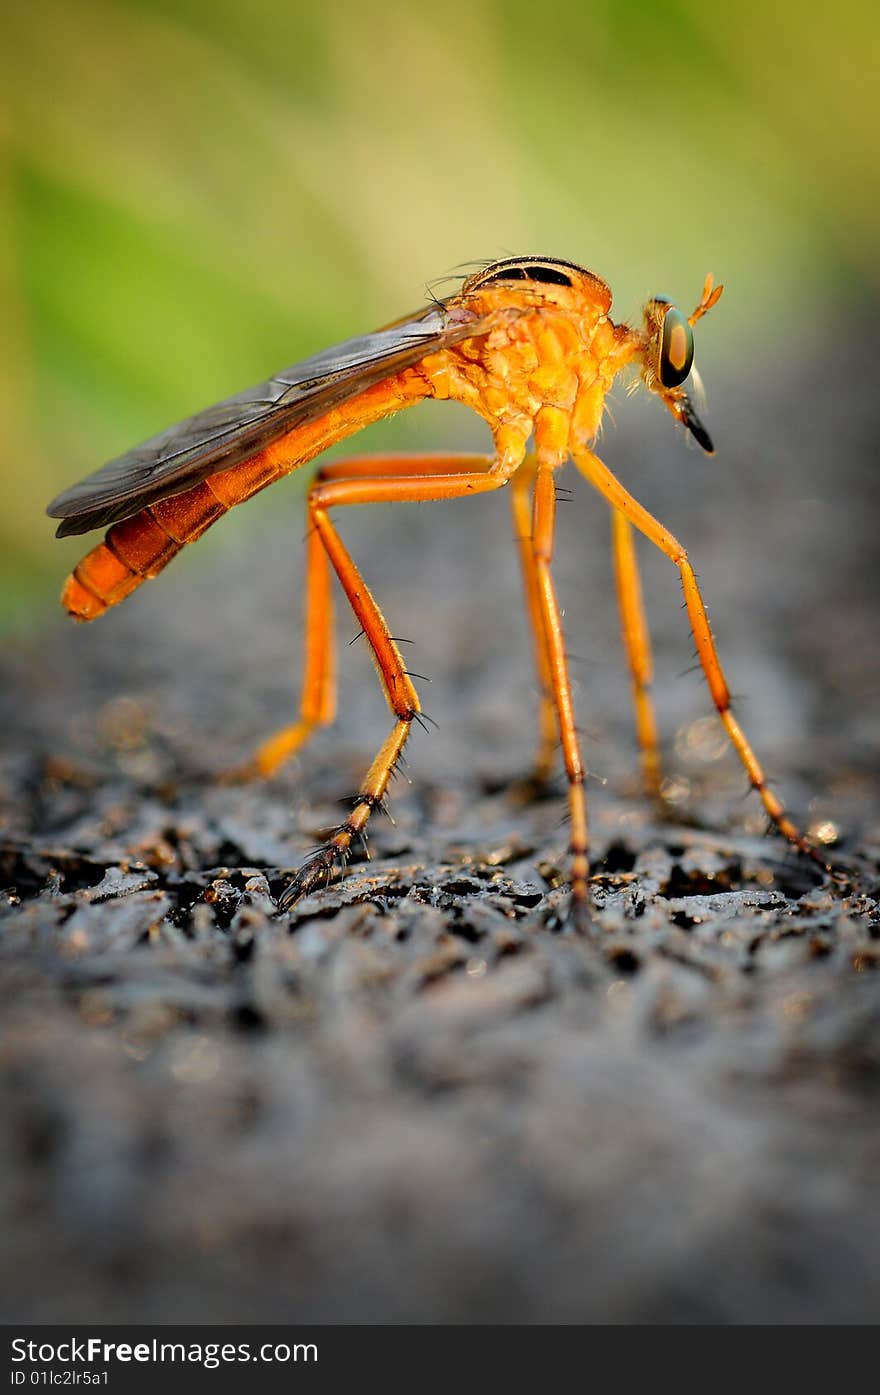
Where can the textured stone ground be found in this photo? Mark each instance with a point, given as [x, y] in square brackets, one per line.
[415, 1098]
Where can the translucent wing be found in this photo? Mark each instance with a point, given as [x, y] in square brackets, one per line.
[236, 429]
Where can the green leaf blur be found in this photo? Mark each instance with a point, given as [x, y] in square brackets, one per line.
[196, 194]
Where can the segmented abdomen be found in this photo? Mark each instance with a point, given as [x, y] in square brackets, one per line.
[139, 547]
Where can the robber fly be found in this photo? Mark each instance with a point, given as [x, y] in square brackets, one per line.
[529, 344]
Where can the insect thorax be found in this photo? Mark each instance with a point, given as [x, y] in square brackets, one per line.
[545, 357]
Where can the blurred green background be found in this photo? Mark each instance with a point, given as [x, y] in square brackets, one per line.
[197, 194]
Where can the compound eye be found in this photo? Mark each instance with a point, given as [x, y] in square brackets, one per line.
[676, 349]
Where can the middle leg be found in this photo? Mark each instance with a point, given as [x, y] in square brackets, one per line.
[542, 543]
[521, 502]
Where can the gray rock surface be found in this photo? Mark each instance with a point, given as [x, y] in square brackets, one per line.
[415, 1098]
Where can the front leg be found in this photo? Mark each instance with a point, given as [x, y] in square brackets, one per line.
[637, 642]
[602, 479]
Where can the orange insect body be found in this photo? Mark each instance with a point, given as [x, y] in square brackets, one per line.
[138, 548]
[529, 345]
[546, 371]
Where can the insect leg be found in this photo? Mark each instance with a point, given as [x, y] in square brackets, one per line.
[399, 691]
[521, 501]
[602, 479]
[637, 643]
[401, 466]
[318, 699]
[543, 521]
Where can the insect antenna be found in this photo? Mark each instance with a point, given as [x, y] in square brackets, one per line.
[709, 298]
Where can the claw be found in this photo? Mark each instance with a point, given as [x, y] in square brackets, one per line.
[315, 870]
[843, 879]
[581, 919]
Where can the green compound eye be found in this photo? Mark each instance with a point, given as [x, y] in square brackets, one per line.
[676, 349]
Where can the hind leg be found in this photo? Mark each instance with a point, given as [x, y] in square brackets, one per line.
[452, 478]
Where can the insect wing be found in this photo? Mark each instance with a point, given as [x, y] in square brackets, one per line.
[237, 428]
